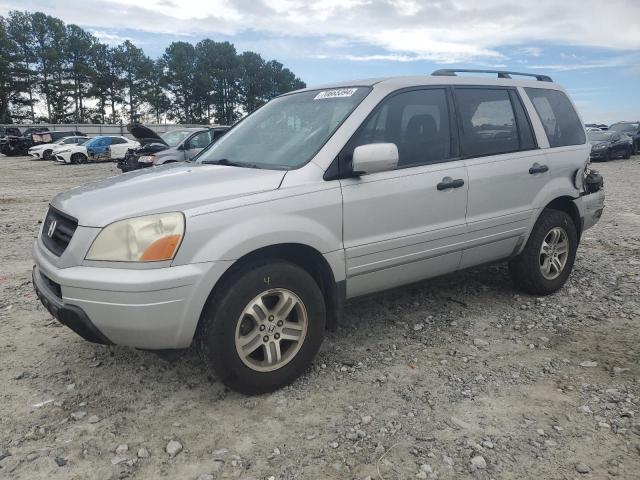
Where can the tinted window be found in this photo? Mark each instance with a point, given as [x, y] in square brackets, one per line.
[488, 124]
[200, 140]
[416, 121]
[117, 140]
[560, 120]
[625, 127]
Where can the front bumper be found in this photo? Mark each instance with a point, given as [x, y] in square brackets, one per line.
[598, 154]
[150, 308]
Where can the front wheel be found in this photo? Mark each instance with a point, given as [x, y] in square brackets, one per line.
[547, 259]
[262, 327]
[628, 152]
[77, 158]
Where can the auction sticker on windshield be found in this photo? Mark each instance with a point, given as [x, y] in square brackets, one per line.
[337, 93]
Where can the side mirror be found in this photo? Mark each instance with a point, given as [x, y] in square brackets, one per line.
[375, 157]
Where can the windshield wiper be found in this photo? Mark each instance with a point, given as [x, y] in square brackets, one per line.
[228, 163]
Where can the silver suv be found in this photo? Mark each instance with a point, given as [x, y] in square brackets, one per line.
[322, 195]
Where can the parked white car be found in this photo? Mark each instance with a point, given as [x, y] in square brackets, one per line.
[47, 150]
[97, 149]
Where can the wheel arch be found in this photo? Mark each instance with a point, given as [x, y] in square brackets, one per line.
[305, 257]
[567, 205]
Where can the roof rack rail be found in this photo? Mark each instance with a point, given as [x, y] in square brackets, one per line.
[451, 72]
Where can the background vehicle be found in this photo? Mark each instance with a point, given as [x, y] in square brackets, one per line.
[173, 146]
[45, 150]
[320, 196]
[72, 153]
[20, 144]
[608, 145]
[12, 131]
[107, 148]
[629, 128]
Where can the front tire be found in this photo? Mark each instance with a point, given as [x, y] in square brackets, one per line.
[262, 327]
[547, 259]
[627, 153]
[77, 158]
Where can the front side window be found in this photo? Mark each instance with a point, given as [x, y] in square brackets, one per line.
[288, 131]
[487, 121]
[200, 140]
[417, 122]
[559, 118]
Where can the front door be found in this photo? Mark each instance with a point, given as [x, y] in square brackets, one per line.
[407, 224]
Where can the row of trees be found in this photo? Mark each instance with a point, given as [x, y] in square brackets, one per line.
[61, 73]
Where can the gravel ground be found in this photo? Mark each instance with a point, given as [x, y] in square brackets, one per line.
[459, 377]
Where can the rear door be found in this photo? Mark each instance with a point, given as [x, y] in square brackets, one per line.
[407, 224]
[497, 141]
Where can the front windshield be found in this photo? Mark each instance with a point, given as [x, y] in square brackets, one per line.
[174, 137]
[599, 136]
[288, 131]
[624, 127]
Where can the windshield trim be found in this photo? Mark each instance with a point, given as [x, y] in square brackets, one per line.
[368, 89]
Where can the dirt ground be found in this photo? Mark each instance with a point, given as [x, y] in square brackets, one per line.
[459, 377]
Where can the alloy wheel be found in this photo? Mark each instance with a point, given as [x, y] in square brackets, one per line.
[554, 253]
[271, 329]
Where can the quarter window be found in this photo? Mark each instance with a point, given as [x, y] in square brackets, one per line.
[487, 122]
[560, 120]
[417, 122]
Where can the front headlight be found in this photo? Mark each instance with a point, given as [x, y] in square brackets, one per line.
[151, 238]
[147, 159]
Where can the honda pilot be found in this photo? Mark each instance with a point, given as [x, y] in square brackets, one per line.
[322, 195]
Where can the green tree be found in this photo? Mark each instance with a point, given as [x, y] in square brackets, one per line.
[19, 29]
[218, 67]
[135, 68]
[179, 62]
[156, 97]
[79, 47]
[254, 82]
[50, 42]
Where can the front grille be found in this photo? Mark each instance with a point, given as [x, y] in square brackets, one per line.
[57, 231]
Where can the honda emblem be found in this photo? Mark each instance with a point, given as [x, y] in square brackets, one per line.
[52, 228]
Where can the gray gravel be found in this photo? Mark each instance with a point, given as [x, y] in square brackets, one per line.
[459, 377]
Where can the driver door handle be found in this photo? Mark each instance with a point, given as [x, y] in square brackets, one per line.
[448, 182]
[537, 168]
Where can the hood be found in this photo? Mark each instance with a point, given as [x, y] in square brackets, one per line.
[144, 135]
[598, 142]
[168, 188]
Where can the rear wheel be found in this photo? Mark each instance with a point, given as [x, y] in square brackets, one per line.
[547, 260]
[263, 326]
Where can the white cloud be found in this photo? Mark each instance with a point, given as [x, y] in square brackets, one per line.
[403, 30]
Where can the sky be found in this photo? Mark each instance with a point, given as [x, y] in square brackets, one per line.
[590, 47]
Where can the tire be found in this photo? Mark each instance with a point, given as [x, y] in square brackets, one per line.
[226, 323]
[627, 153]
[607, 156]
[526, 270]
[77, 158]
[46, 155]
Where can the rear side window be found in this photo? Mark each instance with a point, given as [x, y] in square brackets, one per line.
[488, 122]
[417, 122]
[117, 140]
[560, 120]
